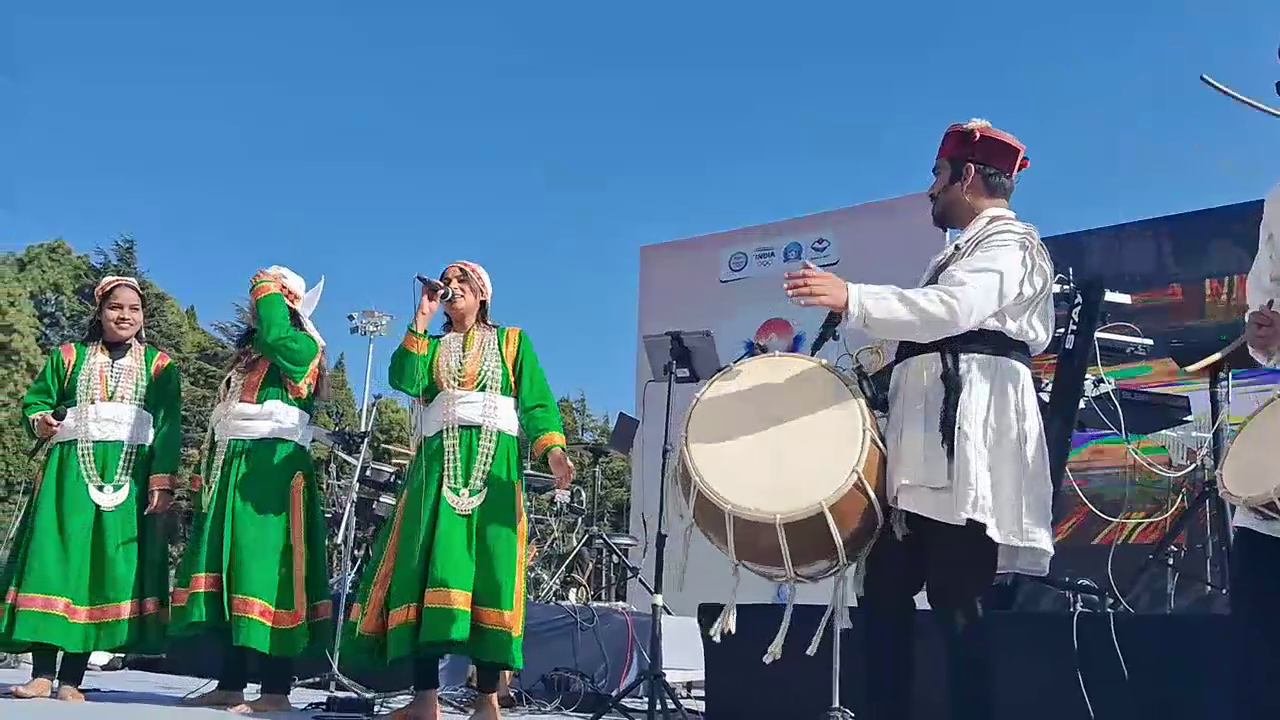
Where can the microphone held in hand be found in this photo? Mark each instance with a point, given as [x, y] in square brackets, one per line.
[827, 332]
[59, 413]
[442, 292]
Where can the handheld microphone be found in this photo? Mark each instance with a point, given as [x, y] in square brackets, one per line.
[827, 332]
[443, 292]
[59, 413]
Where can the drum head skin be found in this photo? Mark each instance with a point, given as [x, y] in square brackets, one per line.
[775, 435]
[772, 440]
[1249, 470]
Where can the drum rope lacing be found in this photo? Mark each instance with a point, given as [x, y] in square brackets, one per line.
[726, 623]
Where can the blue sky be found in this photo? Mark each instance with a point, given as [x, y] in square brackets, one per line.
[550, 141]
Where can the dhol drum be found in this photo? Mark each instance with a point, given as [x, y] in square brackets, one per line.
[1248, 478]
[784, 467]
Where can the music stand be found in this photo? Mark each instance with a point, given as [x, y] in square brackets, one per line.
[677, 358]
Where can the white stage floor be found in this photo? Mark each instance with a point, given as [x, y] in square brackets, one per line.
[133, 695]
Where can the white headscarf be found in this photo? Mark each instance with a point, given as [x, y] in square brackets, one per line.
[298, 297]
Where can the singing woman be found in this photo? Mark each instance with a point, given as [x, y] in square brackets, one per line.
[449, 570]
[89, 569]
[254, 571]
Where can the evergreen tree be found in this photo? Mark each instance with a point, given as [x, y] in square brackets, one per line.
[392, 426]
[20, 361]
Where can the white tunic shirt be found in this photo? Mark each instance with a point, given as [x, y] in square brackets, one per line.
[1263, 285]
[1003, 281]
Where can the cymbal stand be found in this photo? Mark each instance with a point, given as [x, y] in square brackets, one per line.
[595, 544]
[1217, 528]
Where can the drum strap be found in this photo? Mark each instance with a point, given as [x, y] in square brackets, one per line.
[974, 342]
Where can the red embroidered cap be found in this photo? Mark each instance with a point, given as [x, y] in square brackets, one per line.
[978, 142]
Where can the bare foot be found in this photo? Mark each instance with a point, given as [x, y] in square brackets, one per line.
[487, 708]
[66, 693]
[425, 706]
[35, 688]
[215, 699]
[264, 704]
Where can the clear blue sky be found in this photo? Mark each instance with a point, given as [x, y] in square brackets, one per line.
[549, 141]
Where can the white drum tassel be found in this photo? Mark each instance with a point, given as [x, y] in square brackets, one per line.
[686, 538]
[727, 623]
[775, 648]
[837, 592]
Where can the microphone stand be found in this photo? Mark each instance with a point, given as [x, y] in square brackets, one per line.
[654, 678]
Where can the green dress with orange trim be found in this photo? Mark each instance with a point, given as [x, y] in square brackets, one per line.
[89, 569]
[448, 571]
[254, 571]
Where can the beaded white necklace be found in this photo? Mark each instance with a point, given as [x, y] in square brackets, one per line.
[231, 390]
[102, 380]
[452, 362]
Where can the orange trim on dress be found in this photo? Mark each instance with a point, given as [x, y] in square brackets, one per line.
[300, 391]
[369, 620]
[548, 440]
[81, 614]
[416, 343]
[161, 362]
[511, 621]
[265, 287]
[253, 377]
[161, 482]
[68, 353]
[510, 350]
[261, 610]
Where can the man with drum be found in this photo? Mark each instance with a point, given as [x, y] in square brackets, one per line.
[1255, 549]
[968, 469]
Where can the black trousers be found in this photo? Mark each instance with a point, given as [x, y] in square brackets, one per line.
[1255, 604]
[44, 664]
[957, 565]
[276, 673]
[426, 675]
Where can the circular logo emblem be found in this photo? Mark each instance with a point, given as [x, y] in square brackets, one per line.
[793, 252]
[738, 261]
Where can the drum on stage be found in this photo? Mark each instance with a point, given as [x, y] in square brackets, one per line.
[783, 466]
[1248, 477]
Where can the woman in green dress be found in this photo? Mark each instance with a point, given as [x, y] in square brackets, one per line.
[449, 569]
[90, 569]
[254, 572]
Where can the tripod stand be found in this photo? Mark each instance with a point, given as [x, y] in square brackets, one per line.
[347, 537]
[1216, 526]
[681, 365]
[596, 542]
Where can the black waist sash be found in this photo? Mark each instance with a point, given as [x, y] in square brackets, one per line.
[973, 342]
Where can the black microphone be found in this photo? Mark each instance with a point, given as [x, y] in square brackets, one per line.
[59, 413]
[444, 293]
[827, 332]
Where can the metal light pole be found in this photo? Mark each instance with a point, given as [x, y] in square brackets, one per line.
[371, 324]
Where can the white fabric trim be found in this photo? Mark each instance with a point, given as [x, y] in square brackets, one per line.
[470, 406]
[107, 422]
[272, 419]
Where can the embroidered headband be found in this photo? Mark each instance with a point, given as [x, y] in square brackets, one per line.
[478, 276]
[111, 282]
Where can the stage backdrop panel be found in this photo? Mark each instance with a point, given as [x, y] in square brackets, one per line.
[731, 284]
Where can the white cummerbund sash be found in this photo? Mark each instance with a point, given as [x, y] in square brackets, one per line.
[429, 420]
[272, 419]
[107, 422]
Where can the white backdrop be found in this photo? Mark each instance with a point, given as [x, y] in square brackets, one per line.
[731, 284]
